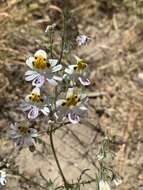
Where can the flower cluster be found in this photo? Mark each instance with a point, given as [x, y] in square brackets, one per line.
[69, 105]
[44, 69]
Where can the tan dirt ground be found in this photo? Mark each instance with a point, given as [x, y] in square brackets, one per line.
[116, 70]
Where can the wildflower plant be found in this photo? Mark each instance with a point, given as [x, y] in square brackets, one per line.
[67, 103]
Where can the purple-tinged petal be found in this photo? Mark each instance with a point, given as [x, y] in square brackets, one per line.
[33, 113]
[84, 81]
[38, 81]
[83, 40]
[30, 75]
[73, 118]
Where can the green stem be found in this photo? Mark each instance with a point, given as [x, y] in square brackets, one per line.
[57, 161]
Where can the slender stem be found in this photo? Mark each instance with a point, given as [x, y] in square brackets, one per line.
[57, 161]
[56, 95]
[63, 37]
[51, 43]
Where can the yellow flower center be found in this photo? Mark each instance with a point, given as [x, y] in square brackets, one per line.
[24, 130]
[81, 65]
[71, 101]
[36, 98]
[40, 63]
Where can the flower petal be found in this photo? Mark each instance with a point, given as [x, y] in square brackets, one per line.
[103, 185]
[30, 72]
[84, 81]
[53, 62]
[24, 105]
[31, 76]
[13, 126]
[41, 52]
[2, 181]
[117, 181]
[57, 68]
[38, 81]
[34, 133]
[73, 118]
[36, 90]
[45, 111]
[52, 82]
[83, 40]
[83, 108]
[57, 78]
[71, 66]
[77, 58]
[68, 71]
[29, 62]
[3, 173]
[70, 92]
[28, 141]
[2, 177]
[33, 113]
[59, 102]
[14, 135]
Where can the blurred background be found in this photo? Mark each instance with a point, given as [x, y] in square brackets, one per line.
[114, 56]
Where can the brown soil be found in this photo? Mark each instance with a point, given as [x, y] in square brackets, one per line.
[116, 70]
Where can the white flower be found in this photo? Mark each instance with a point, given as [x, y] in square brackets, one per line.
[103, 185]
[42, 69]
[72, 107]
[77, 72]
[22, 135]
[117, 181]
[2, 177]
[35, 103]
[82, 40]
